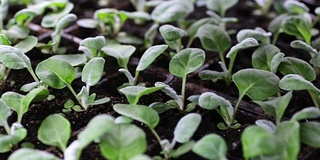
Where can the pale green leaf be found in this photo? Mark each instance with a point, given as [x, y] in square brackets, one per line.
[211, 147]
[92, 71]
[186, 127]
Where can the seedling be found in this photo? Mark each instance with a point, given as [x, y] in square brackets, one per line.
[59, 74]
[263, 6]
[121, 52]
[183, 63]
[212, 101]
[173, 36]
[183, 132]
[92, 46]
[134, 93]
[232, 54]
[53, 45]
[145, 61]
[212, 147]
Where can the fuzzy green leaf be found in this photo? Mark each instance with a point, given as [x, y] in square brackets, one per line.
[306, 113]
[297, 26]
[150, 55]
[121, 52]
[55, 130]
[291, 65]
[309, 134]
[95, 43]
[170, 11]
[294, 82]
[13, 58]
[186, 61]
[210, 101]
[27, 44]
[134, 93]
[303, 45]
[172, 33]
[214, 38]
[139, 113]
[5, 112]
[186, 127]
[124, 141]
[52, 19]
[92, 71]
[221, 6]
[14, 101]
[55, 73]
[254, 33]
[73, 59]
[246, 43]
[26, 154]
[97, 126]
[257, 84]
[263, 55]
[211, 147]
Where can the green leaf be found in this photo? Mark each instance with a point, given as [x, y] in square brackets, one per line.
[97, 126]
[263, 56]
[36, 95]
[291, 65]
[212, 75]
[246, 43]
[170, 11]
[172, 33]
[55, 73]
[14, 101]
[134, 93]
[92, 71]
[276, 24]
[55, 130]
[221, 6]
[194, 27]
[121, 52]
[27, 44]
[266, 124]
[124, 141]
[95, 43]
[186, 127]
[5, 112]
[4, 40]
[276, 106]
[276, 61]
[297, 26]
[309, 134]
[139, 113]
[294, 82]
[306, 113]
[52, 19]
[257, 84]
[211, 147]
[257, 34]
[160, 107]
[302, 45]
[288, 134]
[210, 101]
[88, 23]
[150, 55]
[170, 92]
[214, 38]
[263, 142]
[27, 154]
[186, 61]
[73, 59]
[295, 7]
[13, 58]
[17, 32]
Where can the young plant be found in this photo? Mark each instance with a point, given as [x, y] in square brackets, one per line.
[15, 133]
[59, 74]
[134, 93]
[212, 147]
[262, 6]
[92, 46]
[256, 84]
[183, 132]
[146, 59]
[173, 36]
[183, 63]
[121, 52]
[53, 45]
[232, 54]
[212, 101]
[20, 103]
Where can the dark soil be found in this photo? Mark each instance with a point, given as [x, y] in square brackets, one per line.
[108, 86]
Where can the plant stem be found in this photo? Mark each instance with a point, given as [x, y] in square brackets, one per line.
[136, 77]
[222, 58]
[33, 74]
[7, 128]
[19, 118]
[275, 38]
[159, 140]
[183, 91]
[236, 108]
[190, 42]
[315, 20]
[228, 78]
[315, 98]
[75, 95]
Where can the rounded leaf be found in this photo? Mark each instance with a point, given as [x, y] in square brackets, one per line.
[209, 100]
[294, 82]
[291, 65]
[257, 84]
[211, 147]
[186, 61]
[13, 58]
[150, 55]
[186, 127]
[92, 71]
[56, 73]
[55, 130]
[139, 113]
[172, 33]
[27, 154]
